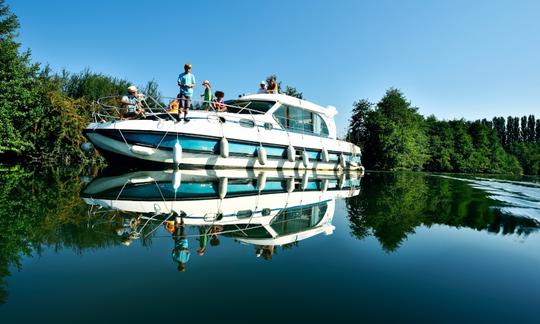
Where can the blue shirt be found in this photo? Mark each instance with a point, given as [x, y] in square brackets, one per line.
[180, 252]
[130, 102]
[183, 79]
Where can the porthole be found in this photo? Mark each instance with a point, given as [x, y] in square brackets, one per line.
[247, 123]
[244, 213]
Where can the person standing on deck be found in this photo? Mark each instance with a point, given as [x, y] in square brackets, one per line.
[186, 82]
[207, 96]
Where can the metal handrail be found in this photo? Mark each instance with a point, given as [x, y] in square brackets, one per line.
[155, 107]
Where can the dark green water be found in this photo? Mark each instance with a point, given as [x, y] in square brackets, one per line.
[406, 247]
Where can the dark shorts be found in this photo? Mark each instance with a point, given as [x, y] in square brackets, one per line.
[184, 101]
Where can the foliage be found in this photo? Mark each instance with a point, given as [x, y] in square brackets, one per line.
[18, 93]
[391, 206]
[42, 114]
[393, 136]
[42, 209]
[90, 86]
[293, 92]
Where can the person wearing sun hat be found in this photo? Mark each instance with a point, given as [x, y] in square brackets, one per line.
[186, 82]
[262, 87]
[131, 104]
[207, 95]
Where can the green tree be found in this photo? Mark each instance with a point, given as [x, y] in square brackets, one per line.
[358, 132]
[18, 93]
[397, 139]
[531, 129]
[293, 92]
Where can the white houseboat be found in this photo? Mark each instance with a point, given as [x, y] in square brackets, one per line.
[271, 131]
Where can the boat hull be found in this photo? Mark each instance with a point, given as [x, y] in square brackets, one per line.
[203, 144]
[118, 152]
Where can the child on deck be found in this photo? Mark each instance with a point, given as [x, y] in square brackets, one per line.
[218, 103]
[207, 96]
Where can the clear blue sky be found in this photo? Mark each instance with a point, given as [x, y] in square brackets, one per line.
[453, 59]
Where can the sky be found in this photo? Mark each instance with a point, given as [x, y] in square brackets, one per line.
[453, 59]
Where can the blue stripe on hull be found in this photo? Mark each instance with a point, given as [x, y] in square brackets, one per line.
[199, 144]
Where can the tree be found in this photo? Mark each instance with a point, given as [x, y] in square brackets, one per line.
[538, 131]
[500, 128]
[531, 129]
[357, 132]
[397, 139]
[18, 95]
[524, 133]
[291, 91]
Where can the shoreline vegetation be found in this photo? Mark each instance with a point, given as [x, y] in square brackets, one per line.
[43, 114]
[394, 136]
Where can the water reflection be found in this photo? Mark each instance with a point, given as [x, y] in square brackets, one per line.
[201, 213]
[392, 205]
[199, 207]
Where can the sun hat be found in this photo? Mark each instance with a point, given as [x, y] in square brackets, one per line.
[263, 82]
[206, 82]
[132, 88]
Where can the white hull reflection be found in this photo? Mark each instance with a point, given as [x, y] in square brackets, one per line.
[262, 208]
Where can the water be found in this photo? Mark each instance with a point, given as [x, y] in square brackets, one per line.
[399, 247]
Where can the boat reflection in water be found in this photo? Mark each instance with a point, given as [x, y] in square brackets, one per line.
[265, 209]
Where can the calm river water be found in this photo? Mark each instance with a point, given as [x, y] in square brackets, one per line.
[237, 246]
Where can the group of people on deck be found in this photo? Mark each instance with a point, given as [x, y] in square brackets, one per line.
[132, 103]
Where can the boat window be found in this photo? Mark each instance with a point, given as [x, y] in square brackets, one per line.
[247, 106]
[301, 120]
[319, 126]
[298, 219]
[295, 118]
[281, 116]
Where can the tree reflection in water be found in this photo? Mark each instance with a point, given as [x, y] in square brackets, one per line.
[391, 205]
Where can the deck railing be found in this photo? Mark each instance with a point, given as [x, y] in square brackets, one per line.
[111, 108]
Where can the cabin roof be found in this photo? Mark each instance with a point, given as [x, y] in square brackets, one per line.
[293, 101]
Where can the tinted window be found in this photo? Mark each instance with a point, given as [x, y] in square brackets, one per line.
[319, 126]
[281, 116]
[256, 107]
[301, 120]
[298, 219]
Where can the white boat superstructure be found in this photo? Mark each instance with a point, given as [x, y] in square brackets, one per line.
[262, 131]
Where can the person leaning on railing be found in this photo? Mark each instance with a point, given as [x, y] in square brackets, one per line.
[132, 104]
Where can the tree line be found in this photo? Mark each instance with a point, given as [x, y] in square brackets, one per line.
[394, 136]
